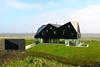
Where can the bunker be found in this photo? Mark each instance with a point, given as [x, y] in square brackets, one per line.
[12, 44]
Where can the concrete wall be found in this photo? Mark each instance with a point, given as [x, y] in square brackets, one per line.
[14, 44]
[2, 44]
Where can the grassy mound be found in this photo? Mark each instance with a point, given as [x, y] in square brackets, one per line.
[73, 55]
[34, 62]
[59, 54]
[29, 41]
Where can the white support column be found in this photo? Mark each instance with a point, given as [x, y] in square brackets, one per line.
[78, 42]
[41, 40]
[67, 42]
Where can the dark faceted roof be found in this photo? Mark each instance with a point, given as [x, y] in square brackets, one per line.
[70, 27]
[41, 28]
[56, 25]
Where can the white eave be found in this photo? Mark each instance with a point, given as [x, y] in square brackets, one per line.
[75, 25]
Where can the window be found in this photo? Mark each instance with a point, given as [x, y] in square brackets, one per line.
[68, 26]
[63, 32]
[54, 32]
[42, 33]
[46, 30]
[72, 34]
[50, 28]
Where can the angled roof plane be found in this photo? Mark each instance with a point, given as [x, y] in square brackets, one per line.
[69, 30]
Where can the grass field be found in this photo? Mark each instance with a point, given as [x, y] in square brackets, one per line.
[29, 41]
[34, 62]
[63, 54]
[74, 55]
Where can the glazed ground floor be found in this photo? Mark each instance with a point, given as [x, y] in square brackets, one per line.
[68, 42]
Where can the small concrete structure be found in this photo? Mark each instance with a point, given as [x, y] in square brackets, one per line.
[2, 44]
[12, 44]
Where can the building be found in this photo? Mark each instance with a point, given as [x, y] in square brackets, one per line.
[12, 44]
[53, 33]
[2, 44]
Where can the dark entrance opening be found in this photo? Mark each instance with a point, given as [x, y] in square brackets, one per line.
[11, 44]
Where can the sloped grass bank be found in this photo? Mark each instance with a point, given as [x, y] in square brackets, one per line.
[10, 56]
[29, 41]
[34, 62]
[72, 55]
[60, 53]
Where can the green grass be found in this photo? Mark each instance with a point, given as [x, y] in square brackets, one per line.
[34, 62]
[63, 54]
[74, 55]
[29, 41]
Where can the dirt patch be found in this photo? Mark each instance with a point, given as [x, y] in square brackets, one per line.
[8, 56]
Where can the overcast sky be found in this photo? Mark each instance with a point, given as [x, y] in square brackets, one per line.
[26, 16]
